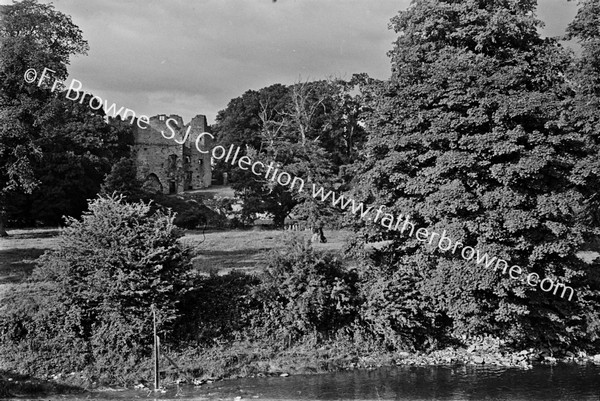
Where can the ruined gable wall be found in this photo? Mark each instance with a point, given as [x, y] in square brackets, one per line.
[200, 165]
[155, 154]
[177, 165]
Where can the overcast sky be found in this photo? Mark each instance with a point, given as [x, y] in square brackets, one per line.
[191, 57]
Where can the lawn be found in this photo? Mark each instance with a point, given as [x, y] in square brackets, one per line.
[19, 252]
[214, 191]
[246, 250]
[221, 251]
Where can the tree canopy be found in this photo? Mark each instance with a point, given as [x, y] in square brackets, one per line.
[54, 153]
[309, 129]
[471, 136]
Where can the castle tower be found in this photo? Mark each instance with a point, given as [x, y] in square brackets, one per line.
[166, 156]
[198, 173]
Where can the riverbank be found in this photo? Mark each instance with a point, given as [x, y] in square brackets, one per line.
[15, 385]
[251, 360]
[236, 360]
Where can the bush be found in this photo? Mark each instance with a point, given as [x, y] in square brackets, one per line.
[395, 313]
[190, 213]
[302, 292]
[123, 180]
[190, 218]
[39, 332]
[88, 305]
[217, 309]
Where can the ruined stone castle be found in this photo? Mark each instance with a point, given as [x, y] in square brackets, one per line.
[171, 166]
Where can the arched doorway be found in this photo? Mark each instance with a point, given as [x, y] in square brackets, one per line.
[152, 184]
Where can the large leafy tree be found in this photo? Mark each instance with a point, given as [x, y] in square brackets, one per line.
[586, 82]
[585, 117]
[471, 135]
[240, 123]
[32, 35]
[77, 148]
[309, 129]
[586, 28]
[54, 153]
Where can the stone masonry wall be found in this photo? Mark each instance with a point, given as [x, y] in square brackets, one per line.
[171, 165]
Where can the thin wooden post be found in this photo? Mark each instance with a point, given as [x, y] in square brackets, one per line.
[156, 345]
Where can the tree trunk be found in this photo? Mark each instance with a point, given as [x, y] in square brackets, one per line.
[3, 232]
[279, 220]
[318, 235]
[322, 238]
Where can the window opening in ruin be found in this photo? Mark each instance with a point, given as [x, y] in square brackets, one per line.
[172, 162]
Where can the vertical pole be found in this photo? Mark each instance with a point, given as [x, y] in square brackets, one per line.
[156, 367]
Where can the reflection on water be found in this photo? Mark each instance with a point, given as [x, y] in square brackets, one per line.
[562, 382]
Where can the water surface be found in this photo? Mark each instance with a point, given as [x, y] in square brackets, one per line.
[561, 382]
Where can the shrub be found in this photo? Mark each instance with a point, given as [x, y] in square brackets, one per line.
[88, 305]
[39, 332]
[395, 313]
[190, 218]
[190, 213]
[303, 291]
[217, 309]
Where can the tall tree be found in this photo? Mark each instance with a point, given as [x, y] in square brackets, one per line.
[78, 149]
[54, 152]
[470, 136]
[586, 28]
[309, 129]
[240, 122]
[586, 82]
[32, 35]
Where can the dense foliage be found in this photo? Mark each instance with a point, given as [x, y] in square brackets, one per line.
[88, 305]
[218, 308]
[586, 29]
[472, 135]
[586, 108]
[309, 130]
[54, 153]
[485, 130]
[302, 292]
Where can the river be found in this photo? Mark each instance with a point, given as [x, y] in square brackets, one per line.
[560, 382]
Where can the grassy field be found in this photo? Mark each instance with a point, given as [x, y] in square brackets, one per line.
[221, 251]
[246, 250]
[213, 191]
[218, 251]
[19, 252]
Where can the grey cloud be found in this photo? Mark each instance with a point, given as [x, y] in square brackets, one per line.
[190, 58]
